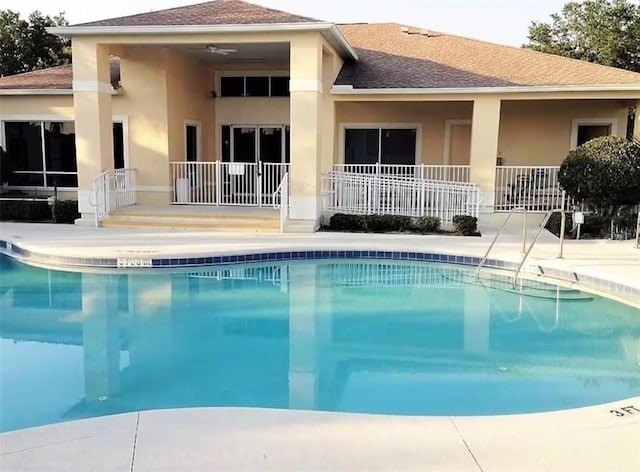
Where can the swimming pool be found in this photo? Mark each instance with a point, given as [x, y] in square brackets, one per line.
[366, 336]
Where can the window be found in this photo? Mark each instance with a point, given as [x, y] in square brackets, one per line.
[254, 86]
[257, 86]
[232, 86]
[588, 132]
[361, 146]
[380, 145]
[280, 86]
[43, 153]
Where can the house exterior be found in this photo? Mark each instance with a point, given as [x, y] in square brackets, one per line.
[214, 103]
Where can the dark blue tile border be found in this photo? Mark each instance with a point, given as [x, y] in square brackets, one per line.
[26, 255]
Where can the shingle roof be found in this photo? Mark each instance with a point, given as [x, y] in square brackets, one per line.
[53, 78]
[219, 12]
[389, 58]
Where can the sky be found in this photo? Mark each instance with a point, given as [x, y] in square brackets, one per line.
[500, 21]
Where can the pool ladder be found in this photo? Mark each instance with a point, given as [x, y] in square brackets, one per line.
[526, 251]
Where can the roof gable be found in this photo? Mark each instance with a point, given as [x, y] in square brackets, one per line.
[218, 12]
[391, 58]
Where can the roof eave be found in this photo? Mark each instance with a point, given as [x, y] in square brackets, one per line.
[350, 90]
[34, 91]
[25, 91]
[329, 30]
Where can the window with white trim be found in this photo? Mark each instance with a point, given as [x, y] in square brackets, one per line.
[380, 145]
[43, 153]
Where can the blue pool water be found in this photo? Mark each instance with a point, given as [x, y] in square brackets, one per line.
[356, 336]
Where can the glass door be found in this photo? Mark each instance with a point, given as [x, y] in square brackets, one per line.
[271, 156]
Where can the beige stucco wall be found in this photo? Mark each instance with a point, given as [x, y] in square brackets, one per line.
[539, 133]
[189, 86]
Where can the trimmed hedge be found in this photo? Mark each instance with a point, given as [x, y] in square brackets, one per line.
[343, 222]
[66, 211]
[604, 173]
[465, 225]
[16, 210]
[427, 224]
[386, 223]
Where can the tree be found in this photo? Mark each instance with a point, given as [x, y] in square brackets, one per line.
[603, 173]
[25, 45]
[606, 32]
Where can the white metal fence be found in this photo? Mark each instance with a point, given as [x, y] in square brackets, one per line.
[420, 171]
[366, 194]
[111, 190]
[226, 183]
[535, 188]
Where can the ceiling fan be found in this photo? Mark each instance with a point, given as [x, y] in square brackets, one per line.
[213, 49]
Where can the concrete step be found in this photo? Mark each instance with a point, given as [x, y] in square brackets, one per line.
[236, 223]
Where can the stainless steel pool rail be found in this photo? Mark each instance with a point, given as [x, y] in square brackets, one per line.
[545, 220]
[514, 210]
[526, 251]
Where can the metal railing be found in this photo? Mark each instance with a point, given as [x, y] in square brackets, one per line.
[283, 192]
[513, 211]
[526, 251]
[533, 187]
[419, 171]
[226, 183]
[535, 239]
[366, 194]
[112, 189]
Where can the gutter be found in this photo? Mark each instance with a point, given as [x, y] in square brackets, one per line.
[329, 30]
[349, 90]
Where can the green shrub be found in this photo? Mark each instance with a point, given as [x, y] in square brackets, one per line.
[596, 226]
[343, 222]
[604, 173]
[386, 223]
[17, 210]
[465, 225]
[66, 211]
[427, 224]
[553, 225]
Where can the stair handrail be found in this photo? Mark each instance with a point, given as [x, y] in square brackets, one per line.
[499, 233]
[108, 184]
[283, 190]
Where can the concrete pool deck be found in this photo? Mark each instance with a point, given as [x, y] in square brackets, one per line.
[599, 438]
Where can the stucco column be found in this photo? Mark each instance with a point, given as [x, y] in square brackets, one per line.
[306, 123]
[100, 336]
[93, 117]
[484, 148]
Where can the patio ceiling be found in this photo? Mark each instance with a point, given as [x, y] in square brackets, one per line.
[244, 52]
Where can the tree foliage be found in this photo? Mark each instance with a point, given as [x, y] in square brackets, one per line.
[606, 32]
[25, 45]
[604, 173]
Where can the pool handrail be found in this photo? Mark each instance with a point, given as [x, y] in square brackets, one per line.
[522, 210]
